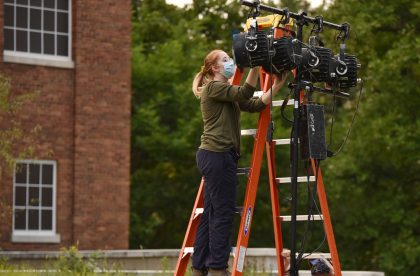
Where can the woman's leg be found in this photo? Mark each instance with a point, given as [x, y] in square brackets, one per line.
[201, 243]
[221, 182]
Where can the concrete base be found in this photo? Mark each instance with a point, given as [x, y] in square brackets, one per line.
[151, 261]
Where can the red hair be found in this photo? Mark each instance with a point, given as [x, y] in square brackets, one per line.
[206, 73]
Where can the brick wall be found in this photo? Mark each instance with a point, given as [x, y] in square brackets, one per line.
[102, 128]
[85, 117]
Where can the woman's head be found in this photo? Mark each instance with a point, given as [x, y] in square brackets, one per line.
[212, 68]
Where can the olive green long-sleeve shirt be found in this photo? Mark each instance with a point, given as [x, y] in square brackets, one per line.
[221, 104]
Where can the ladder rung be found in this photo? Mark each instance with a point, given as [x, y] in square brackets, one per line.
[187, 250]
[280, 103]
[258, 94]
[302, 217]
[245, 132]
[198, 211]
[299, 179]
[315, 255]
[281, 142]
[190, 250]
[242, 171]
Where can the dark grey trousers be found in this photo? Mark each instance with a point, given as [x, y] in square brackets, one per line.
[212, 241]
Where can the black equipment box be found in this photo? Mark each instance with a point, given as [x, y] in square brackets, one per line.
[312, 132]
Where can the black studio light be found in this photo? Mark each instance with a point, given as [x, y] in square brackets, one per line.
[318, 64]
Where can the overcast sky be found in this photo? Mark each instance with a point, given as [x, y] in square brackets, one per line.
[181, 3]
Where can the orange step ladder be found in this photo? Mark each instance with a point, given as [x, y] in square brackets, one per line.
[261, 143]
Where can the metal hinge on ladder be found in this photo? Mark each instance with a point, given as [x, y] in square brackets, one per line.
[242, 171]
[303, 217]
[280, 180]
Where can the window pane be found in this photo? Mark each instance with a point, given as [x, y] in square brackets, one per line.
[22, 2]
[35, 3]
[62, 22]
[9, 16]
[62, 45]
[47, 197]
[33, 220]
[49, 21]
[9, 1]
[47, 174]
[33, 196]
[20, 219]
[49, 4]
[35, 19]
[20, 173]
[21, 17]
[46, 220]
[35, 44]
[22, 41]
[9, 40]
[63, 4]
[34, 173]
[20, 196]
[49, 44]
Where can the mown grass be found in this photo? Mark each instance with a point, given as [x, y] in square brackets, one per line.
[72, 262]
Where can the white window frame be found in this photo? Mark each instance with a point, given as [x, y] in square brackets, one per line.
[41, 59]
[37, 236]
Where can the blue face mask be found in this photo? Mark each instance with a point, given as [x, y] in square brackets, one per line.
[228, 68]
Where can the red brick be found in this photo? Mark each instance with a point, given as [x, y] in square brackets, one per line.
[85, 117]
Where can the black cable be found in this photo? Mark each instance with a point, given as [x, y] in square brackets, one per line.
[250, 11]
[312, 200]
[309, 221]
[317, 166]
[322, 219]
[271, 89]
[285, 101]
[332, 120]
[351, 124]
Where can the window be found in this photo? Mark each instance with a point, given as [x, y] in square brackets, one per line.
[34, 202]
[38, 30]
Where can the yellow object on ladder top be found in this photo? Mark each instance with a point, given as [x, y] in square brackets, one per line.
[268, 22]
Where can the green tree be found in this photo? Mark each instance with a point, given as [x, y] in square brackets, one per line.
[15, 141]
[371, 184]
[375, 179]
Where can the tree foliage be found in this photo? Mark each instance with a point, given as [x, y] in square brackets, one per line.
[15, 141]
[372, 184]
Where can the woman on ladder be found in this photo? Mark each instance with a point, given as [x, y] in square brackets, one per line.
[218, 154]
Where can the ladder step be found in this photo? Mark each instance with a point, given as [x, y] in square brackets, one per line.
[190, 250]
[258, 94]
[199, 211]
[242, 171]
[299, 179]
[302, 217]
[282, 141]
[248, 132]
[187, 250]
[280, 103]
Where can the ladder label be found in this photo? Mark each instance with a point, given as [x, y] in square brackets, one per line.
[241, 259]
[247, 220]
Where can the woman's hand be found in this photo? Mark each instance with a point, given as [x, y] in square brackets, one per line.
[253, 75]
[279, 80]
